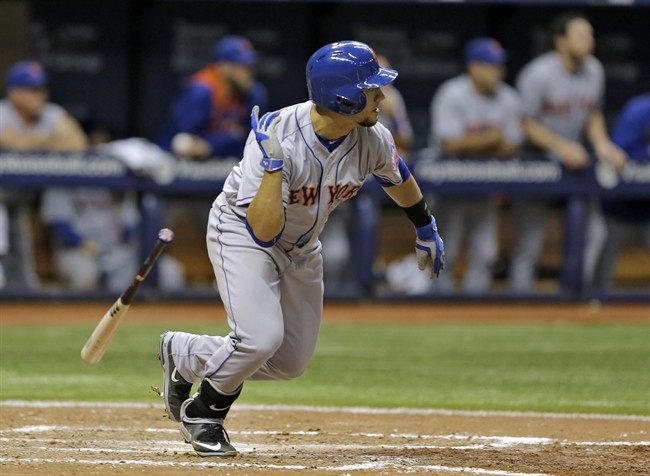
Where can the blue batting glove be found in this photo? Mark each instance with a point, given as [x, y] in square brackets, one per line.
[429, 249]
[267, 139]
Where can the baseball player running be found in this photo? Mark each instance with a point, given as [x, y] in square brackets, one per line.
[299, 163]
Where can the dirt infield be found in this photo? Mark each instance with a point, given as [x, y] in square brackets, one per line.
[127, 439]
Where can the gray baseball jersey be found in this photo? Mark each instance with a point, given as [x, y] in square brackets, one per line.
[457, 108]
[46, 124]
[314, 181]
[10, 120]
[274, 296]
[560, 100]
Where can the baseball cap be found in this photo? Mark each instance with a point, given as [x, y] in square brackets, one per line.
[234, 49]
[26, 74]
[485, 50]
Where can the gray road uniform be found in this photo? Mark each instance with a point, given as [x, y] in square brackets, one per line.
[287, 183]
[562, 102]
[457, 109]
[15, 233]
[274, 295]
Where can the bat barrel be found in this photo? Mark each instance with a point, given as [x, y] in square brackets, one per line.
[99, 340]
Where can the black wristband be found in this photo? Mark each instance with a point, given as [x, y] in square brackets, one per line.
[419, 213]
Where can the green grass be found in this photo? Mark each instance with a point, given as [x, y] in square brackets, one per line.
[555, 367]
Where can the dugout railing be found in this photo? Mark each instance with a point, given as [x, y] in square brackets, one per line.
[523, 176]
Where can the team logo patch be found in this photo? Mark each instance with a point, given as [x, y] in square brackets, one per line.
[394, 157]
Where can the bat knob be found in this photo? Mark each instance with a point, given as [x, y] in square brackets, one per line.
[166, 235]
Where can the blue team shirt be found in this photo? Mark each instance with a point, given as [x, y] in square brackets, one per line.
[192, 112]
[632, 134]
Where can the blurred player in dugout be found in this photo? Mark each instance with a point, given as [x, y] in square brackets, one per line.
[562, 93]
[92, 228]
[211, 115]
[28, 122]
[474, 115]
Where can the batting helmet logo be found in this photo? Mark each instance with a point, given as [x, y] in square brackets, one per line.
[338, 73]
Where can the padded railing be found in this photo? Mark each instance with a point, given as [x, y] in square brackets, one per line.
[524, 176]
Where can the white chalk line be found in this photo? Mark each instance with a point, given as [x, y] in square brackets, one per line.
[296, 448]
[475, 442]
[387, 463]
[177, 447]
[377, 465]
[109, 450]
[320, 409]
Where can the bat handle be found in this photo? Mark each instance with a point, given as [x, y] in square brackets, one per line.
[165, 236]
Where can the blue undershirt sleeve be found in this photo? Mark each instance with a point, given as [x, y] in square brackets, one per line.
[403, 170]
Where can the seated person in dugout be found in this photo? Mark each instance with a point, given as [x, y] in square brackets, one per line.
[94, 229]
[28, 122]
[210, 116]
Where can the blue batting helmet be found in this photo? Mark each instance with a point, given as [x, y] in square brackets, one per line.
[337, 73]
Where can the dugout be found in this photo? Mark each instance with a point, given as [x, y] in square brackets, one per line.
[119, 62]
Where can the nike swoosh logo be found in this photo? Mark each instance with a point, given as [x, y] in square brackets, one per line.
[216, 447]
[215, 409]
[174, 378]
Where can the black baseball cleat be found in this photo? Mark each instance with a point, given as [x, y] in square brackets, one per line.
[175, 388]
[207, 437]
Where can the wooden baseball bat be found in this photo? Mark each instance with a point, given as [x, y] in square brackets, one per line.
[101, 337]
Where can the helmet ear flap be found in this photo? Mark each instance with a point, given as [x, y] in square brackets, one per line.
[349, 107]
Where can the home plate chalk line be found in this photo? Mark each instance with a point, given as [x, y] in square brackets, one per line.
[121, 447]
[375, 465]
